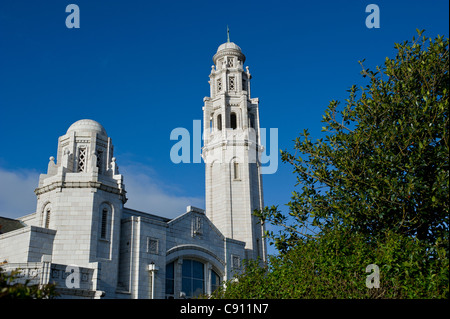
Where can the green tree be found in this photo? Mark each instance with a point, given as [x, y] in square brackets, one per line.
[333, 265]
[374, 190]
[384, 163]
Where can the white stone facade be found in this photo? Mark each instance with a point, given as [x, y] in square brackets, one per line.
[232, 151]
[81, 221]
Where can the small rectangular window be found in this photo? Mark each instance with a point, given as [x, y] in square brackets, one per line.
[219, 85]
[81, 160]
[235, 262]
[231, 83]
[219, 122]
[152, 246]
[233, 121]
[170, 282]
[100, 161]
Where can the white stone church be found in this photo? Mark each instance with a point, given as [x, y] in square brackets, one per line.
[84, 239]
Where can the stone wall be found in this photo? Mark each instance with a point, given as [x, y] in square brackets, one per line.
[26, 244]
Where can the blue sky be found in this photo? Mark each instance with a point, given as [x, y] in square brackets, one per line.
[141, 68]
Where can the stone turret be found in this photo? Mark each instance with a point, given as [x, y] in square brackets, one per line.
[83, 194]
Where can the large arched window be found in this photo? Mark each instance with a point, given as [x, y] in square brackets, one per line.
[193, 278]
[190, 278]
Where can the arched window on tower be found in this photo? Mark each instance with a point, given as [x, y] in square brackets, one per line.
[219, 122]
[105, 231]
[233, 121]
[47, 217]
[104, 223]
[236, 172]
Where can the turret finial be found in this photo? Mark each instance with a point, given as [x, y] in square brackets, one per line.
[228, 34]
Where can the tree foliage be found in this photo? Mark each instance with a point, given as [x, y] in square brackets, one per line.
[333, 266]
[375, 189]
[11, 288]
[384, 163]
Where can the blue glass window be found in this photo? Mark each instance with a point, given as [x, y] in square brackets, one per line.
[215, 280]
[193, 278]
[170, 279]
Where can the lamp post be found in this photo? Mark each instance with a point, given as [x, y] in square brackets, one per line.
[153, 269]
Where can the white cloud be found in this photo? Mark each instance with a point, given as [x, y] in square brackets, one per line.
[17, 196]
[145, 192]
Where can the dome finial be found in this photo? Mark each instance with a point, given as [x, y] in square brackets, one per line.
[228, 34]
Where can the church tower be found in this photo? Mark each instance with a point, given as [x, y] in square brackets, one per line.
[232, 151]
[82, 197]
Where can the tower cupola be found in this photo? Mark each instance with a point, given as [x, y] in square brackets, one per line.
[229, 54]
